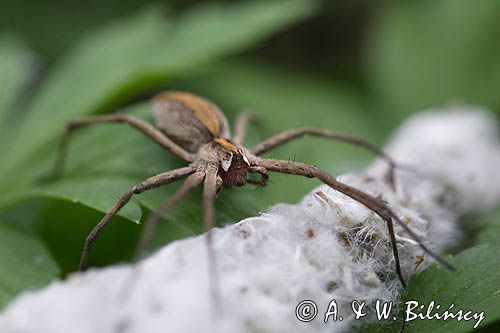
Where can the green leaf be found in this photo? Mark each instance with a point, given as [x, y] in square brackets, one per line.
[17, 66]
[26, 263]
[89, 192]
[98, 177]
[130, 56]
[475, 286]
[428, 53]
[490, 236]
[16, 69]
[63, 226]
[489, 225]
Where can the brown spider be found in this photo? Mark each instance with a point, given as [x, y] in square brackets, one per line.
[196, 130]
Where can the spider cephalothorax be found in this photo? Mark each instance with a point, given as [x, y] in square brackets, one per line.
[231, 159]
[196, 130]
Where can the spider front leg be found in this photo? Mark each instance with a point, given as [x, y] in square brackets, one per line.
[283, 137]
[152, 182]
[209, 193]
[150, 228]
[379, 207]
[146, 128]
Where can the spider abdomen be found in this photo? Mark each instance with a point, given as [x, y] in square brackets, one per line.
[189, 120]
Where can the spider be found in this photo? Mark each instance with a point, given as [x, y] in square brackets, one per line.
[195, 130]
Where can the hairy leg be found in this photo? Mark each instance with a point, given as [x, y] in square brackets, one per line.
[209, 193]
[284, 137]
[149, 229]
[374, 204]
[152, 182]
[146, 128]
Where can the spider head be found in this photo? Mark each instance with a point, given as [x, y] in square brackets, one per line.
[231, 159]
[237, 173]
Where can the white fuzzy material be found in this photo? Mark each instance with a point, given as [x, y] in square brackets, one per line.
[325, 247]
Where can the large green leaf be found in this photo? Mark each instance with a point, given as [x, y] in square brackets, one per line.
[26, 263]
[475, 286]
[17, 67]
[114, 63]
[428, 53]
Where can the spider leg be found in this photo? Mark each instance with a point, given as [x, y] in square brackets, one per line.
[241, 125]
[152, 182]
[209, 193]
[264, 175]
[149, 229]
[146, 128]
[372, 203]
[283, 137]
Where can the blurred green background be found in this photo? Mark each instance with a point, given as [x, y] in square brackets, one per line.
[358, 67]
